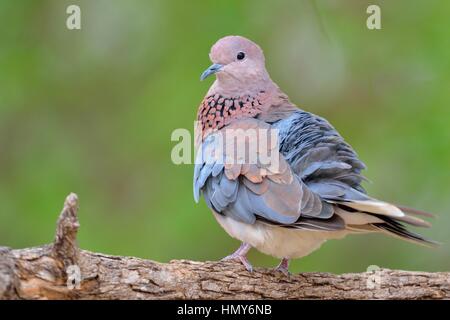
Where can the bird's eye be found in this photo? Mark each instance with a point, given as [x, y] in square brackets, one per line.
[240, 55]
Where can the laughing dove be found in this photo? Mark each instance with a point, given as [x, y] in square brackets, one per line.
[313, 193]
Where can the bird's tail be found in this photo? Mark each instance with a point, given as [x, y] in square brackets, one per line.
[376, 215]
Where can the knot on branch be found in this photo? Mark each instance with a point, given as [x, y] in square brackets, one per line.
[65, 246]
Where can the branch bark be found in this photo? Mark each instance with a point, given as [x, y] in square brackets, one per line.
[62, 271]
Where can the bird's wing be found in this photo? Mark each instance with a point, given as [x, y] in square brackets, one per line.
[247, 189]
[315, 184]
[317, 153]
[330, 168]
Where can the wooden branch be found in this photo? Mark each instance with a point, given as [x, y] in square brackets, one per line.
[62, 271]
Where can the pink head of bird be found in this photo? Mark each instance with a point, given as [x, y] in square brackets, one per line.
[238, 64]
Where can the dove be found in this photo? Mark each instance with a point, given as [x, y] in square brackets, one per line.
[314, 193]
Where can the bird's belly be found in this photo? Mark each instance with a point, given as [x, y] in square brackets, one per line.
[277, 241]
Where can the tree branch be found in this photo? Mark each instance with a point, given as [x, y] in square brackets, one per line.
[62, 271]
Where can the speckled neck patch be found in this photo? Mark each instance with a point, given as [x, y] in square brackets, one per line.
[216, 111]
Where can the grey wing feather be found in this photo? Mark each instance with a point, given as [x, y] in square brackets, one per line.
[320, 156]
[274, 199]
[331, 169]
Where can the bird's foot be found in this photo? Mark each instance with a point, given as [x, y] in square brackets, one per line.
[283, 267]
[242, 259]
[241, 256]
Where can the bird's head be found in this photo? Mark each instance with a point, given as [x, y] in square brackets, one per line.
[238, 64]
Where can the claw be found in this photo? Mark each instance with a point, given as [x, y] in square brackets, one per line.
[240, 255]
[246, 263]
[283, 267]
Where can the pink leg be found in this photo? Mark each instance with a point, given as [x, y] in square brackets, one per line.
[241, 255]
[283, 266]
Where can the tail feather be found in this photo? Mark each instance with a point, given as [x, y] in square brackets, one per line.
[390, 219]
[414, 221]
[384, 209]
[416, 211]
[396, 229]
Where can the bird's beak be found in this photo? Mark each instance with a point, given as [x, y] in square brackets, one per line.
[211, 70]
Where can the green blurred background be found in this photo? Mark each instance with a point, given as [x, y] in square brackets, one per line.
[92, 111]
